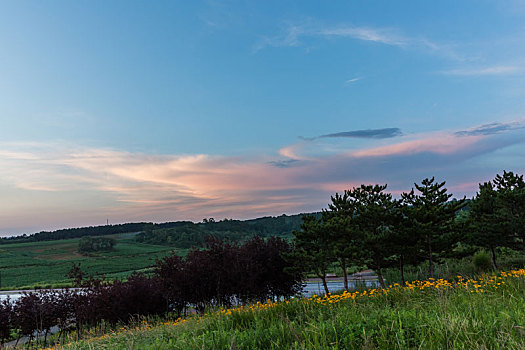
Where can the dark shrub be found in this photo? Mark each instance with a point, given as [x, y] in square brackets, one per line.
[6, 310]
[171, 277]
[88, 244]
[225, 273]
[26, 314]
[482, 261]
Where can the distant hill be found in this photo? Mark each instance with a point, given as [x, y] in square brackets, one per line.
[182, 234]
[188, 234]
[75, 233]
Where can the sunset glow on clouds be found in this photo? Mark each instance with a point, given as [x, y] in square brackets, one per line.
[137, 186]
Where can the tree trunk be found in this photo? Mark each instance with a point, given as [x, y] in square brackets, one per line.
[402, 269]
[380, 277]
[345, 275]
[322, 275]
[325, 285]
[430, 260]
[494, 264]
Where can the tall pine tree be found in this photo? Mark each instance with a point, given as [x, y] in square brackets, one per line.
[374, 217]
[486, 221]
[314, 247]
[346, 237]
[511, 203]
[433, 218]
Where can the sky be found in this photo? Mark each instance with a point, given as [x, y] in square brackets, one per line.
[182, 110]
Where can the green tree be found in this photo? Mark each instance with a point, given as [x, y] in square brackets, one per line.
[89, 244]
[346, 236]
[511, 205]
[313, 247]
[404, 236]
[374, 217]
[433, 219]
[485, 221]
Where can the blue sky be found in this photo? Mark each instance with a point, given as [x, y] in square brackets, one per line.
[156, 111]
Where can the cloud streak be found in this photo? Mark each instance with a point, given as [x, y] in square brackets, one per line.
[367, 134]
[296, 34]
[378, 35]
[353, 80]
[492, 128]
[59, 185]
[384, 133]
[496, 70]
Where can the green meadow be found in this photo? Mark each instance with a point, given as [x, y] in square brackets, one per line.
[45, 264]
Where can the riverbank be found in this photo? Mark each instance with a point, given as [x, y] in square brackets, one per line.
[360, 280]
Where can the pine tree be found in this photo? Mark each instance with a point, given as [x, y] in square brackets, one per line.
[313, 247]
[486, 218]
[433, 218]
[405, 235]
[511, 205]
[374, 218]
[345, 236]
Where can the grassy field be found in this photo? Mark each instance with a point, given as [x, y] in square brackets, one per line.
[42, 264]
[487, 313]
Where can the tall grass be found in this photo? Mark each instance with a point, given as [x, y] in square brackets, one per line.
[488, 313]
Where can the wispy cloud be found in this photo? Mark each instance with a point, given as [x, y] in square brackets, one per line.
[296, 34]
[439, 143]
[492, 128]
[73, 184]
[485, 71]
[283, 163]
[353, 80]
[293, 34]
[384, 133]
[378, 35]
[368, 133]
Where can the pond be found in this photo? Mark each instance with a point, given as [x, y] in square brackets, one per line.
[317, 288]
[309, 289]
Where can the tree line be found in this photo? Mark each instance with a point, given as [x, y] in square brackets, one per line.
[188, 234]
[180, 234]
[366, 226]
[75, 233]
[222, 274]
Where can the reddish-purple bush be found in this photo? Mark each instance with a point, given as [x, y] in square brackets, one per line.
[6, 312]
[224, 273]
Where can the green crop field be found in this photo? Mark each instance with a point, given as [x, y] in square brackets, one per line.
[43, 264]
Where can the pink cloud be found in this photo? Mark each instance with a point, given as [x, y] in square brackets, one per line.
[87, 184]
[437, 143]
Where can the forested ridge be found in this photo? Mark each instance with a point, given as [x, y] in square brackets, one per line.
[188, 234]
[183, 234]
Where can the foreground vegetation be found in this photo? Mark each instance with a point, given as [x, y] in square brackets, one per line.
[366, 226]
[223, 274]
[436, 314]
